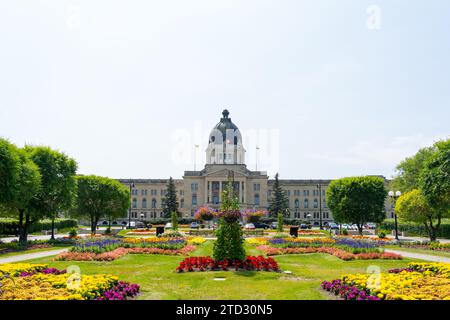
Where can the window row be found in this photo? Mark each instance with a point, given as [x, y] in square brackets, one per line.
[154, 203]
[314, 215]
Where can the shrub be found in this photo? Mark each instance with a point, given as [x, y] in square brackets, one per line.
[73, 232]
[415, 229]
[381, 234]
[280, 222]
[174, 218]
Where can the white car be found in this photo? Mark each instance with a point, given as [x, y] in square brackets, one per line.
[168, 225]
[249, 226]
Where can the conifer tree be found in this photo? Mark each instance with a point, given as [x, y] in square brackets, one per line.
[170, 203]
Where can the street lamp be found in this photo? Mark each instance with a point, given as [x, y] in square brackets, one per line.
[132, 185]
[394, 196]
[320, 205]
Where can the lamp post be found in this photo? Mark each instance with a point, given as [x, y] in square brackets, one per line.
[394, 196]
[129, 211]
[320, 205]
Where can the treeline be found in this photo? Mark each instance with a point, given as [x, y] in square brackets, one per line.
[37, 182]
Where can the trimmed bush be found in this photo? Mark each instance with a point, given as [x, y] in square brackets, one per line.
[414, 229]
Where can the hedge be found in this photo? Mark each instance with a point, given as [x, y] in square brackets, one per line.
[10, 226]
[414, 229]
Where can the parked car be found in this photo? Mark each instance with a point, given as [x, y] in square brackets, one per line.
[333, 226]
[249, 226]
[168, 225]
[303, 226]
[260, 225]
[194, 225]
[274, 225]
[371, 225]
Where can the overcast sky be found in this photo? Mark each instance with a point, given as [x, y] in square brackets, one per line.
[325, 88]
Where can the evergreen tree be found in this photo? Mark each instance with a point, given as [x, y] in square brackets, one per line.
[279, 202]
[170, 203]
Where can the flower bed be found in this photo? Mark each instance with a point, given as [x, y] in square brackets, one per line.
[419, 281]
[38, 282]
[347, 292]
[434, 246]
[120, 252]
[337, 252]
[251, 263]
[300, 242]
[195, 240]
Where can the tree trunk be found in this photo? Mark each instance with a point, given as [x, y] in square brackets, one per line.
[360, 229]
[432, 230]
[21, 226]
[53, 229]
[24, 235]
[93, 226]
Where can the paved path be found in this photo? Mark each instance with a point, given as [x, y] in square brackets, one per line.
[32, 237]
[29, 256]
[413, 255]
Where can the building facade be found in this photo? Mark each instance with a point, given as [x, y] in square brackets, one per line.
[225, 161]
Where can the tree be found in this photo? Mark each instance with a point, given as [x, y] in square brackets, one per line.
[409, 171]
[435, 177]
[230, 240]
[58, 191]
[101, 197]
[357, 200]
[413, 206]
[170, 203]
[435, 180]
[20, 182]
[279, 202]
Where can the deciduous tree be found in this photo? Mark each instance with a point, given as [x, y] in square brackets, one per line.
[357, 200]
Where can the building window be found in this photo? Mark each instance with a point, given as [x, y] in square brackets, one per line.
[194, 199]
[144, 203]
[134, 203]
[153, 203]
[182, 203]
[316, 203]
[215, 199]
[257, 200]
[306, 204]
[194, 186]
[297, 203]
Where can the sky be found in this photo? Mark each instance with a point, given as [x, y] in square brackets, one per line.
[324, 88]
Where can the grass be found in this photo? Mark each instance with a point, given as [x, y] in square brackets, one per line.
[158, 280]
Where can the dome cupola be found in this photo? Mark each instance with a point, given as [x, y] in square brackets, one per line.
[225, 143]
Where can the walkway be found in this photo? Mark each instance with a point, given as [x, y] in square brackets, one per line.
[29, 256]
[413, 255]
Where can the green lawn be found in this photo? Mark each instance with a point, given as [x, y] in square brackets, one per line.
[158, 279]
